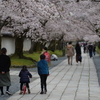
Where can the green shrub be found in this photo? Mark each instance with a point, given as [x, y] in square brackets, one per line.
[36, 56]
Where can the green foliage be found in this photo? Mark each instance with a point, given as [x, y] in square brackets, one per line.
[20, 62]
[15, 61]
[98, 50]
[34, 55]
[57, 52]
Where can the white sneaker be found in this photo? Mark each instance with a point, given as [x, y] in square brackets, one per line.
[7, 92]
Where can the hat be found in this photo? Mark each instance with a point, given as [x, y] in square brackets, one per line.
[45, 48]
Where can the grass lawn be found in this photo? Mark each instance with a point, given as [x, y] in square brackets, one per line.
[20, 62]
[98, 50]
[35, 56]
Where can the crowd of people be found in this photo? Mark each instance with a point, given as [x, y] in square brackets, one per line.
[89, 48]
[42, 66]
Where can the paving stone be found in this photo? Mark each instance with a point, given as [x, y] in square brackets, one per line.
[66, 82]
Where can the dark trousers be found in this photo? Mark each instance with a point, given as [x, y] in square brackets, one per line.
[1, 88]
[21, 85]
[43, 79]
[90, 53]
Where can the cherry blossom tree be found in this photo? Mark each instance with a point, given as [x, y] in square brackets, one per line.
[77, 16]
[49, 20]
[26, 17]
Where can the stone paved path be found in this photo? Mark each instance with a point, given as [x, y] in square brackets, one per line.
[66, 82]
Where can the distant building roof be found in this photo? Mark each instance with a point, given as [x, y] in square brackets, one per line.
[7, 34]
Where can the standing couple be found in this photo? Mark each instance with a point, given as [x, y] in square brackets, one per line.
[70, 53]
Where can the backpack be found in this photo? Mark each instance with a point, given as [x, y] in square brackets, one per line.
[47, 56]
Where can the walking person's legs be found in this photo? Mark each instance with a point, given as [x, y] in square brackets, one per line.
[68, 59]
[27, 85]
[71, 59]
[21, 86]
[7, 91]
[45, 84]
[1, 88]
[76, 58]
[94, 53]
[41, 79]
[90, 53]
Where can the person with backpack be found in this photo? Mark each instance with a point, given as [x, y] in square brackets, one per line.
[24, 75]
[47, 55]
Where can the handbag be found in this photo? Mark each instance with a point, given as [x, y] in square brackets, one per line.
[80, 57]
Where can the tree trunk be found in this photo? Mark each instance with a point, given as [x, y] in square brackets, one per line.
[99, 45]
[59, 45]
[52, 45]
[0, 42]
[77, 0]
[32, 46]
[35, 46]
[38, 46]
[19, 47]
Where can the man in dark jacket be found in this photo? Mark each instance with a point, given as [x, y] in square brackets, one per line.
[4, 71]
[90, 48]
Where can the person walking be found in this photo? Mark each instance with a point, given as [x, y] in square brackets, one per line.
[90, 48]
[78, 53]
[47, 55]
[94, 49]
[43, 72]
[24, 75]
[70, 52]
[5, 64]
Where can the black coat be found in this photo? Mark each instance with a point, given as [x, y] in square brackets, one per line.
[5, 63]
[24, 76]
[90, 47]
[78, 49]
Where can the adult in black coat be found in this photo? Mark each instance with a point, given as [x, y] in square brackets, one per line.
[78, 53]
[90, 48]
[5, 64]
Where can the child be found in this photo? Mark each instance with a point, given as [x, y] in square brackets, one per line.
[43, 72]
[24, 78]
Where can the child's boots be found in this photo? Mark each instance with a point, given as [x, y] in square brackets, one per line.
[29, 91]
